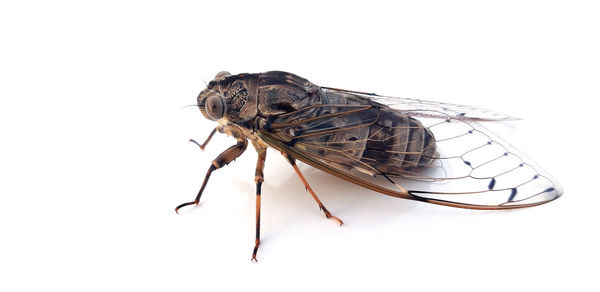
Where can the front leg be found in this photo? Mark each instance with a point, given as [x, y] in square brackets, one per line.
[258, 178]
[203, 145]
[223, 159]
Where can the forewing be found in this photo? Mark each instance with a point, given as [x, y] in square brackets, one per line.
[428, 108]
[474, 165]
[471, 167]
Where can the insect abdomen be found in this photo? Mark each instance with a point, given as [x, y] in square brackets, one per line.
[378, 140]
[398, 142]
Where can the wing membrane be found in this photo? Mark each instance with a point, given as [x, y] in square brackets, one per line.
[470, 167]
[427, 108]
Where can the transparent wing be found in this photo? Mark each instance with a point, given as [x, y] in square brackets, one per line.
[462, 164]
[474, 165]
[422, 107]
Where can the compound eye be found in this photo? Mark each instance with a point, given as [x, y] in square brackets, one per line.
[214, 107]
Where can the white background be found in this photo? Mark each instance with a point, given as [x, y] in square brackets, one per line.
[94, 153]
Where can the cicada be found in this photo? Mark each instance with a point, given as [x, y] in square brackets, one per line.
[413, 149]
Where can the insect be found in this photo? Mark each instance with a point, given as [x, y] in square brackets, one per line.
[413, 149]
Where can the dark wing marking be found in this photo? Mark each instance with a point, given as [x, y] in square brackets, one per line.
[422, 107]
[471, 168]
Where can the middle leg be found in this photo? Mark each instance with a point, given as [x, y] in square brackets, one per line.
[258, 178]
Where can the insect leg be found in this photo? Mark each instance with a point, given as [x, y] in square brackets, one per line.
[309, 189]
[259, 178]
[223, 159]
[203, 145]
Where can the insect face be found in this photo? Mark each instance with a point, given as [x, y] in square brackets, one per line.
[210, 100]
[230, 97]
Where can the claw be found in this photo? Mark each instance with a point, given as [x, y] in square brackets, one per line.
[205, 142]
[185, 204]
[199, 145]
[329, 216]
[256, 244]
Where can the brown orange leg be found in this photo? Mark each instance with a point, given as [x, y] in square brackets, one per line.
[203, 145]
[259, 178]
[309, 189]
[223, 159]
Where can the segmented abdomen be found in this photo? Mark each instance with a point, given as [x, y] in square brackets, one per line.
[354, 132]
[397, 142]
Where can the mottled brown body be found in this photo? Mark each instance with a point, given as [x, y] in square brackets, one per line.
[395, 140]
[379, 140]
